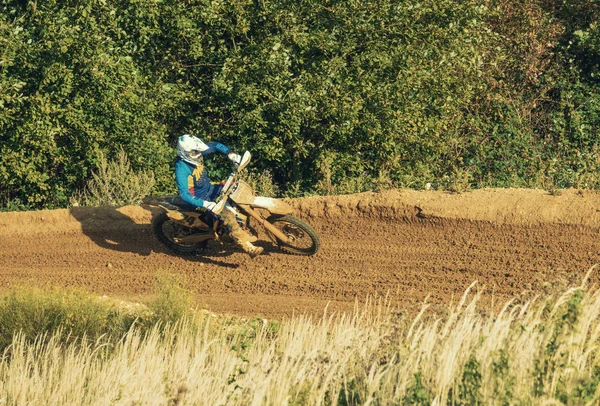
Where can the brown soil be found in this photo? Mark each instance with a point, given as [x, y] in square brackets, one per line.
[406, 244]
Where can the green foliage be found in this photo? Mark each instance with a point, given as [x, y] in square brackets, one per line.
[171, 303]
[350, 394]
[74, 314]
[70, 89]
[337, 96]
[262, 183]
[503, 382]
[585, 391]
[417, 393]
[13, 205]
[78, 315]
[469, 388]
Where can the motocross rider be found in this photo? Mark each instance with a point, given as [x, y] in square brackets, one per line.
[196, 189]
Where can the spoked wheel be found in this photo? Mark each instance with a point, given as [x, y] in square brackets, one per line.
[304, 240]
[167, 231]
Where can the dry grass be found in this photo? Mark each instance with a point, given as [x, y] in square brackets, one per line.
[262, 183]
[543, 351]
[115, 183]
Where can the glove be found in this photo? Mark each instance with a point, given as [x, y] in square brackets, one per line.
[209, 205]
[214, 207]
[235, 158]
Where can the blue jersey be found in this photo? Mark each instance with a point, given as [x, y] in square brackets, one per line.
[192, 181]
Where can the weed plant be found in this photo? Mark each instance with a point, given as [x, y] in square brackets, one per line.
[115, 183]
[73, 315]
[262, 183]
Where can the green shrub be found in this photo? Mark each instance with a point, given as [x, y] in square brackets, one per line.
[417, 393]
[262, 183]
[74, 314]
[71, 313]
[171, 302]
[469, 388]
[458, 93]
[115, 184]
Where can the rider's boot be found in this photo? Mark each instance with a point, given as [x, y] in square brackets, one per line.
[252, 249]
[244, 240]
[240, 236]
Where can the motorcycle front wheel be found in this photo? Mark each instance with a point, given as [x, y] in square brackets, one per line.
[166, 230]
[304, 240]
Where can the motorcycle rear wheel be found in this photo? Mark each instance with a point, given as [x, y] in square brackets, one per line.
[305, 240]
[166, 230]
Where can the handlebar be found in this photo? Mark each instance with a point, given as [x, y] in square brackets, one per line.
[228, 187]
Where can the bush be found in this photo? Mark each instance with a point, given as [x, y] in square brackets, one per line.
[171, 303]
[73, 315]
[468, 94]
[262, 183]
[115, 184]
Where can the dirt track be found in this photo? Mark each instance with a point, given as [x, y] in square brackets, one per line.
[411, 244]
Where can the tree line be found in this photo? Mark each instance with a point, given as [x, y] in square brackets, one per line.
[329, 95]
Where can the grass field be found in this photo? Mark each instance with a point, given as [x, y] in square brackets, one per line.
[66, 347]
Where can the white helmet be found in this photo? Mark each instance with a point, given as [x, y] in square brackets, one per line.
[190, 148]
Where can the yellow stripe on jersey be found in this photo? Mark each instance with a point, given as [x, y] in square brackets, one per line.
[198, 171]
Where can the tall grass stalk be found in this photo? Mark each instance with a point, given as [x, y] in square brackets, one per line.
[541, 351]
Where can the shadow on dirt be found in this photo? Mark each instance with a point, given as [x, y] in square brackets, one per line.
[111, 229]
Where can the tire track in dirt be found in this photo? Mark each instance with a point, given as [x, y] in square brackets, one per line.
[372, 244]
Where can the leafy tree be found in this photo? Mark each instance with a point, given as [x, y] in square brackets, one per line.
[345, 94]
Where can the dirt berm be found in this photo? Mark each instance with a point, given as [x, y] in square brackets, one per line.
[406, 244]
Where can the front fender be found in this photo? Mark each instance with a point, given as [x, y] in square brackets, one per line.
[274, 206]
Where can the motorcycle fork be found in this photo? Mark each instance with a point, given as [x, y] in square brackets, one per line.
[220, 229]
[263, 221]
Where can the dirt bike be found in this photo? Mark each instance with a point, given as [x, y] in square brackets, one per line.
[186, 230]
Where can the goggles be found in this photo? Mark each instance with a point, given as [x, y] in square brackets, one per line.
[195, 153]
